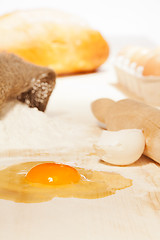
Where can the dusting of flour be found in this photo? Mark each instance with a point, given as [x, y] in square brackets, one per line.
[27, 128]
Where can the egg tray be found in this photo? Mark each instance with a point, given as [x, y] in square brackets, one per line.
[145, 88]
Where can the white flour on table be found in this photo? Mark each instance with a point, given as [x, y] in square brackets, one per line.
[27, 128]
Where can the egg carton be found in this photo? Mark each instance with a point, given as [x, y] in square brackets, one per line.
[129, 76]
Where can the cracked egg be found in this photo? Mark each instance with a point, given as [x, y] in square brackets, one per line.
[32, 182]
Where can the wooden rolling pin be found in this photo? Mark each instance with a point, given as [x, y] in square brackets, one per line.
[129, 114]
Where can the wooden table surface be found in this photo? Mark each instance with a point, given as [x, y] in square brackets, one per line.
[130, 214]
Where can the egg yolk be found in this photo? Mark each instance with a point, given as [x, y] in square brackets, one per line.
[53, 174]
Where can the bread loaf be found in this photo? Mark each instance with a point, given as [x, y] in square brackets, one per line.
[53, 39]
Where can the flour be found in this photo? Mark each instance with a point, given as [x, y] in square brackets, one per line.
[27, 128]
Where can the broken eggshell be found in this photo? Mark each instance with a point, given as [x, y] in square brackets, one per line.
[122, 147]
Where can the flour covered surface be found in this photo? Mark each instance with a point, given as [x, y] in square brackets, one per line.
[24, 128]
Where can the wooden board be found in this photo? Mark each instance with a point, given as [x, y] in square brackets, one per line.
[132, 213]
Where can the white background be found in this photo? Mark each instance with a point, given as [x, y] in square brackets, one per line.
[120, 21]
[129, 214]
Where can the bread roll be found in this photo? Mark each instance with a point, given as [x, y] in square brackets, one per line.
[138, 70]
[53, 39]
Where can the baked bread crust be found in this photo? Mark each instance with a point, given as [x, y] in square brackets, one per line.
[53, 39]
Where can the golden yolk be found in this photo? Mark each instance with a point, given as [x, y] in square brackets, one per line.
[93, 184]
[53, 174]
